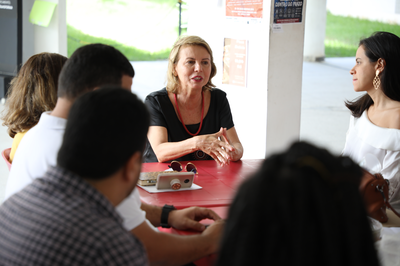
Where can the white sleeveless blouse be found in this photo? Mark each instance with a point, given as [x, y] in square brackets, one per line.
[376, 149]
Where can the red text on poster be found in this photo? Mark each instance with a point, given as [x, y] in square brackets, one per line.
[244, 8]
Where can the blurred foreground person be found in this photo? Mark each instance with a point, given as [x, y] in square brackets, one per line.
[302, 207]
[68, 216]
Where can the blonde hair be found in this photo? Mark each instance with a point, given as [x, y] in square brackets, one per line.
[32, 92]
[172, 80]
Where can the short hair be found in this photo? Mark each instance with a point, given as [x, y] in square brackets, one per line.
[32, 92]
[105, 128]
[383, 45]
[302, 207]
[172, 80]
[92, 66]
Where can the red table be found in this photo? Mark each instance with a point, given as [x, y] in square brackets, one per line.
[219, 184]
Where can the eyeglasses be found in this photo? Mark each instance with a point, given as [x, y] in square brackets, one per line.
[177, 166]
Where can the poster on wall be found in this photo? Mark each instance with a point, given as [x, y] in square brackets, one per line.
[244, 8]
[235, 62]
[7, 5]
[288, 11]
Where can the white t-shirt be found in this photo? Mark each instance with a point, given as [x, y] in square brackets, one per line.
[376, 149]
[38, 150]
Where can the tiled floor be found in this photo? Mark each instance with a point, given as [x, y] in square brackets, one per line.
[324, 119]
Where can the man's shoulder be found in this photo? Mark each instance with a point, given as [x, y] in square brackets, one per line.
[43, 135]
[37, 147]
[48, 128]
[78, 233]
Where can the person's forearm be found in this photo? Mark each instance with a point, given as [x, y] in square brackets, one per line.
[153, 213]
[168, 151]
[237, 155]
[172, 249]
[169, 249]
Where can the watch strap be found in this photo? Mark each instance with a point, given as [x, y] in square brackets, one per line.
[166, 209]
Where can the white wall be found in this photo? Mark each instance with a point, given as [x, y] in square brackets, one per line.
[387, 11]
[273, 97]
[38, 39]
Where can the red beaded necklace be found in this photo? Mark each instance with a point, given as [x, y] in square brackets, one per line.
[202, 113]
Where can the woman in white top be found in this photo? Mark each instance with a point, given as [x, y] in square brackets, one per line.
[373, 138]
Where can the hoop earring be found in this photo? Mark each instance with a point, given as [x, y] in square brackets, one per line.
[377, 80]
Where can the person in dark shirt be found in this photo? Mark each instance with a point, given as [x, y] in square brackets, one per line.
[190, 119]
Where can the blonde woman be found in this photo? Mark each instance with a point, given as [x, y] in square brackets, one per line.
[32, 92]
[190, 119]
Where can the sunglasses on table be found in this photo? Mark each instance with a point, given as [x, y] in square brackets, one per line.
[177, 166]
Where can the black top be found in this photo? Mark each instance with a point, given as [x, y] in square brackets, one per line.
[162, 113]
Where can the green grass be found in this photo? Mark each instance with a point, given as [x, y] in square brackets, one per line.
[344, 33]
[77, 39]
[342, 36]
[143, 30]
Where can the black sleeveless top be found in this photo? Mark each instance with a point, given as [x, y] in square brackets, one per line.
[162, 113]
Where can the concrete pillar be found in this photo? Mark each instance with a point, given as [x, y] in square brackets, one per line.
[266, 112]
[314, 47]
[284, 84]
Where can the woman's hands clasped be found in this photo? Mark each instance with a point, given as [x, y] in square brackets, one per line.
[223, 146]
[217, 146]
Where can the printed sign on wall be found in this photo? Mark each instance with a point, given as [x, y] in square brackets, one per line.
[288, 11]
[244, 8]
[235, 62]
[6, 5]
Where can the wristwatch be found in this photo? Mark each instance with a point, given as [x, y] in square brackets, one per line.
[164, 215]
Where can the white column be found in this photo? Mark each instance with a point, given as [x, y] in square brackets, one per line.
[314, 47]
[284, 85]
[266, 113]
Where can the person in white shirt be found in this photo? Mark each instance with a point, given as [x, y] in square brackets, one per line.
[373, 138]
[68, 216]
[90, 67]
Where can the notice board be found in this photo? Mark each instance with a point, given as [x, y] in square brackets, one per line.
[288, 11]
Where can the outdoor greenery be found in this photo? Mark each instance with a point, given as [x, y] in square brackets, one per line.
[344, 33]
[77, 39]
[143, 30]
